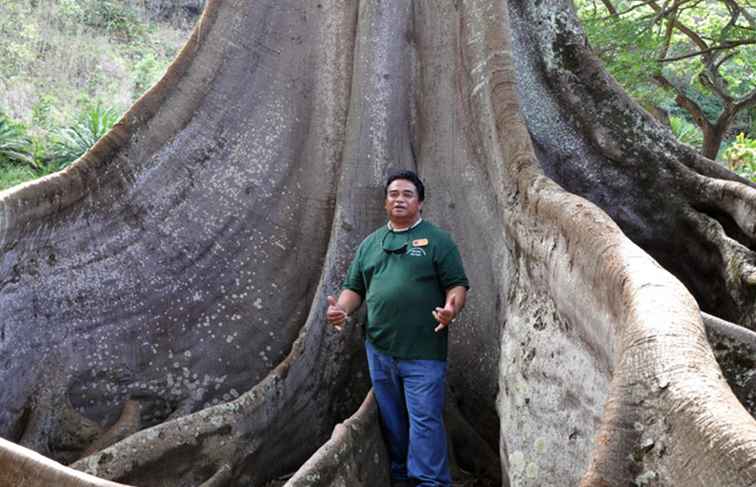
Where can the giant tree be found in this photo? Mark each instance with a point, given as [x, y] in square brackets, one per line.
[163, 298]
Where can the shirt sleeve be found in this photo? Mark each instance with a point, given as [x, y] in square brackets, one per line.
[355, 281]
[451, 272]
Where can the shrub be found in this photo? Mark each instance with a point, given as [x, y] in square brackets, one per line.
[15, 146]
[12, 175]
[115, 16]
[685, 131]
[72, 142]
[741, 156]
[42, 111]
[146, 72]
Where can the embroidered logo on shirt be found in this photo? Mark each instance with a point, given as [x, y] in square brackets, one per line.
[416, 251]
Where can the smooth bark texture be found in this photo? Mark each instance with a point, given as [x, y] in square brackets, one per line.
[25, 467]
[355, 454]
[162, 301]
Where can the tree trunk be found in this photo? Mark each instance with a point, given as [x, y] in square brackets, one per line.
[162, 300]
[713, 135]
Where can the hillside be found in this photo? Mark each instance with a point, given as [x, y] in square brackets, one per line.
[69, 68]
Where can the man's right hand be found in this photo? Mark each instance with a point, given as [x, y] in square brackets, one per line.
[335, 314]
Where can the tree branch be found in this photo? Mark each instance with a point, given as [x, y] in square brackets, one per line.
[709, 50]
[684, 101]
[725, 59]
[610, 7]
[748, 101]
[737, 10]
[706, 52]
[707, 82]
[667, 39]
[692, 35]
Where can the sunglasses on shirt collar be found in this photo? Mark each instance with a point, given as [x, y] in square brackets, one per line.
[395, 243]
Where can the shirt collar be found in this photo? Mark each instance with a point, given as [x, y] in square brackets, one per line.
[391, 229]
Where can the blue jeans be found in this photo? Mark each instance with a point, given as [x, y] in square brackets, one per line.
[410, 396]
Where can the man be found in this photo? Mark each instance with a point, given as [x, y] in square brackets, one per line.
[410, 274]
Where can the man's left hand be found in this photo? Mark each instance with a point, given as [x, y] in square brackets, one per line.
[445, 315]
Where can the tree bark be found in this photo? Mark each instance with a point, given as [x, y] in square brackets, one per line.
[170, 286]
[713, 135]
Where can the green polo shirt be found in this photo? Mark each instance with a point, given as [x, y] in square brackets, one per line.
[403, 277]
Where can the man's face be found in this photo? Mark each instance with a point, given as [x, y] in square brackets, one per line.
[402, 203]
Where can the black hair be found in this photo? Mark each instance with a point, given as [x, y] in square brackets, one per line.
[409, 176]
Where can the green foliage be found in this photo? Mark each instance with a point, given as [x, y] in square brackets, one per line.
[116, 17]
[59, 57]
[685, 131]
[710, 105]
[72, 142]
[18, 151]
[42, 111]
[741, 156]
[632, 43]
[15, 145]
[638, 44]
[11, 175]
[24, 157]
[146, 72]
[16, 49]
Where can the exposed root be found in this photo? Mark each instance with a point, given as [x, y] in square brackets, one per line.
[220, 478]
[23, 467]
[76, 432]
[145, 451]
[127, 424]
[354, 456]
[59, 432]
[727, 329]
[669, 415]
[734, 261]
[245, 433]
[735, 350]
[737, 199]
[601, 126]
